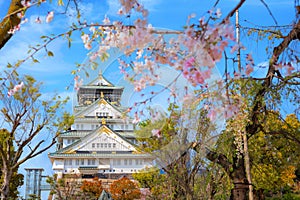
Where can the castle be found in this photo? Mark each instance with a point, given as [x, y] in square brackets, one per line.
[101, 142]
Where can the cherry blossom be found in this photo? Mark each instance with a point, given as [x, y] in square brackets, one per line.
[218, 13]
[16, 88]
[156, 133]
[106, 20]
[38, 20]
[49, 17]
[13, 30]
[26, 3]
[78, 82]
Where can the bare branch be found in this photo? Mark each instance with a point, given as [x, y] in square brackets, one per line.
[232, 12]
[266, 5]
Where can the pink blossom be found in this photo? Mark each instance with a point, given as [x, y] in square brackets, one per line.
[156, 133]
[145, 13]
[206, 74]
[127, 4]
[92, 29]
[20, 15]
[249, 69]
[15, 89]
[88, 46]
[136, 118]
[289, 68]
[38, 20]
[234, 48]
[85, 38]
[26, 3]
[120, 11]
[13, 30]
[212, 115]
[198, 77]
[49, 17]
[106, 20]
[236, 74]
[189, 63]
[24, 21]
[77, 83]
[218, 13]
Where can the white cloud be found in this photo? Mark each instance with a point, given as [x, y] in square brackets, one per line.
[151, 5]
[113, 7]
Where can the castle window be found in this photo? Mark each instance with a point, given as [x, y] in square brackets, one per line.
[109, 145]
[125, 161]
[98, 145]
[130, 161]
[70, 161]
[93, 145]
[136, 161]
[114, 145]
[77, 162]
[82, 161]
[91, 161]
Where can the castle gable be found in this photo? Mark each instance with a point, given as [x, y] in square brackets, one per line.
[101, 81]
[101, 140]
[101, 108]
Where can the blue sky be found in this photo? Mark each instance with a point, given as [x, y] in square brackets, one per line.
[171, 14]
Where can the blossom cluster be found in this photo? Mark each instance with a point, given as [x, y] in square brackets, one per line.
[16, 88]
[27, 4]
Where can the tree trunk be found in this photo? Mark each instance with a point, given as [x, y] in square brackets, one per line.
[7, 174]
[10, 21]
[239, 179]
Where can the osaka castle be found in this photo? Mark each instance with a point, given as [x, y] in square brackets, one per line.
[101, 142]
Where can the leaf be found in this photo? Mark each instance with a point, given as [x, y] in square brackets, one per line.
[9, 65]
[60, 2]
[50, 54]
[35, 60]
[69, 42]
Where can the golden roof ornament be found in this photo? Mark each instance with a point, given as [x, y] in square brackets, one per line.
[103, 121]
[100, 75]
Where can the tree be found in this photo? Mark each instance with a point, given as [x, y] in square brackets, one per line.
[24, 118]
[125, 189]
[92, 188]
[170, 144]
[65, 188]
[275, 153]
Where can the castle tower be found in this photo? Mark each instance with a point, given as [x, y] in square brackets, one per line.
[101, 142]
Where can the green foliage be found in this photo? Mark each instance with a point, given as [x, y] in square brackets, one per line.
[274, 153]
[148, 177]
